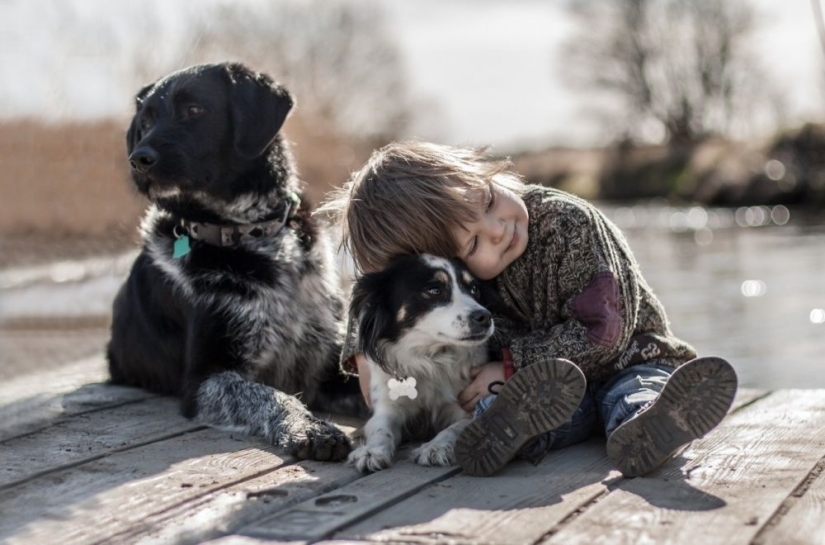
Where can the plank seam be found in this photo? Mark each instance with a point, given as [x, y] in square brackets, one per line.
[793, 498]
[751, 402]
[576, 513]
[115, 450]
[579, 511]
[131, 533]
[370, 512]
[63, 418]
[399, 499]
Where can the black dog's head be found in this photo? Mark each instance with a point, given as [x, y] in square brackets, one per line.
[419, 301]
[209, 132]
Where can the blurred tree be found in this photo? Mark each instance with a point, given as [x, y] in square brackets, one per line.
[337, 57]
[680, 69]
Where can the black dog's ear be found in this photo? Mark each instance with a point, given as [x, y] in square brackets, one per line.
[369, 309]
[134, 129]
[259, 108]
[141, 95]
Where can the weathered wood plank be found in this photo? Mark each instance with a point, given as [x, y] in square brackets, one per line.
[318, 518]
[32, 402]
[65, 379]
[96, 500]
[339, 542]
[502, 510]
[244, 540]
[89, 436]
[226, 510]
[158, 514]
[799, 521]
[747, 395]
[733, 480]
[518, 505]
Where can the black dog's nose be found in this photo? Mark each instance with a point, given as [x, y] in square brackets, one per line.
[480, 317]
[142, 159]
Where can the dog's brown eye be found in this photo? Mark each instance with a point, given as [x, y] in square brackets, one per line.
[474, 291]
[194, 110]
[145, 123]
[433, 292]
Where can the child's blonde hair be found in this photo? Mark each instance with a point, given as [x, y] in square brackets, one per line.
[410, 197]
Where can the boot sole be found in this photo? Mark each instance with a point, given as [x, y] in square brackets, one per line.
[537, 399]
[697, 396]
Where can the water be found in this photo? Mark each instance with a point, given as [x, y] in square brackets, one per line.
[746, 285]
[738, 284]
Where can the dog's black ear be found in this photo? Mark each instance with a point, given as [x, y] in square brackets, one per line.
[492, 300]
[259, 108]
[134, 129]
[141, 95]
[370, 310]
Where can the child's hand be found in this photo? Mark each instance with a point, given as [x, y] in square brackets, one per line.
[477, 389]
[363, 376]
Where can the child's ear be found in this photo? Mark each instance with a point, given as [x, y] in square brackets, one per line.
[370, 309]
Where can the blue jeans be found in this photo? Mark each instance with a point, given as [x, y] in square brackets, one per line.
[604, 406]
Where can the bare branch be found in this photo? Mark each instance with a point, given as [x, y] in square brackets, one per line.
[683, 65]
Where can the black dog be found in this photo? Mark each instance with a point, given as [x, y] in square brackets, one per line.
[233, 304]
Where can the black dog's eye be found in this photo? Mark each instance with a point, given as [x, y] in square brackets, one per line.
[474, 290]
[194, 110]
[146, 123]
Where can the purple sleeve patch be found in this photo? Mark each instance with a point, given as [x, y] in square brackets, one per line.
[597, 307]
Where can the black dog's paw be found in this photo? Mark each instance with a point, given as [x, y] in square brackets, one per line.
[319, 440]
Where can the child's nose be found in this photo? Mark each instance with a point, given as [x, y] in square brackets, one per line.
[496, 230]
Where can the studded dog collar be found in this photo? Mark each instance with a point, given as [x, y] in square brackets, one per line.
[234, 235]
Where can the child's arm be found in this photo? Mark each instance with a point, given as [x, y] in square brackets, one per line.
[482, 378]
[592, 290]
[363, 376]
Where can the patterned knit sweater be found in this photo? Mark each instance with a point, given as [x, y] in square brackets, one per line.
[577, 293]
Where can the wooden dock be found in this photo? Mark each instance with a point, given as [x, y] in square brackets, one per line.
[85, 462]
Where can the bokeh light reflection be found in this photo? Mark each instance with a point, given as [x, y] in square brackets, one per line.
[703, 236]
[780, 214]
[775, 170]
[754, 288]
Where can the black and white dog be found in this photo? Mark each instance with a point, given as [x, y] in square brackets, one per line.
[422, 329]
[233, 303]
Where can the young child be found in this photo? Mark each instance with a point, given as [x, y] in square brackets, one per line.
[570, 290]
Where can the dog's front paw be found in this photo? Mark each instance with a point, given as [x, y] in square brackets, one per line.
[319, 440]
[370, 458]
[434, 454]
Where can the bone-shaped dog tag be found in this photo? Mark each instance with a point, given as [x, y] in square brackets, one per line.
[403, 387]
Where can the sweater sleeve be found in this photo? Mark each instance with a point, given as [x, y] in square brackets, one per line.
[593, 287]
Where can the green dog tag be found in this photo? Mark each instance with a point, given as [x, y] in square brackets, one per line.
[181, 247]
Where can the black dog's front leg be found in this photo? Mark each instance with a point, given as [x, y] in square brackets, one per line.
[229, 401]
[225, 399]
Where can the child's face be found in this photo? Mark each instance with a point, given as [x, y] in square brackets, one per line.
[488, 245]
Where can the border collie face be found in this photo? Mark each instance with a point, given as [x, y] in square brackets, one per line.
[419, 318]
[419, 301]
